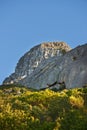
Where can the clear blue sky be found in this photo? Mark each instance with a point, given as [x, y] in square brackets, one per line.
[26, 23]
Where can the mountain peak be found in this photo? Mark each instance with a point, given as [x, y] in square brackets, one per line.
[56, 45]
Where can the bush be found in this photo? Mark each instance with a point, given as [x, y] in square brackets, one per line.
[43, 110]
[76, 102]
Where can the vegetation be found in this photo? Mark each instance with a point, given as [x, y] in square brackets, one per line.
[63, 51]
[24, 109]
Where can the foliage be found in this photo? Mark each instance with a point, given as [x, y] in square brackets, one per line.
[63, 51]
[22, 108]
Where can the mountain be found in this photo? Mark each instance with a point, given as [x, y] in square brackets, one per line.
[51, 64]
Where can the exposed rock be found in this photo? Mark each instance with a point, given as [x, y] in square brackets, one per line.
[48, 64]
[33, 58]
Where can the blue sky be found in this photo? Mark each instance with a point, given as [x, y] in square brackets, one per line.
[26, 23]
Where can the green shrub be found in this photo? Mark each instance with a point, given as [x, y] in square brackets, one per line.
[43, 110]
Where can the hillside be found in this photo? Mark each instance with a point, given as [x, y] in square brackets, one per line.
[22, 108]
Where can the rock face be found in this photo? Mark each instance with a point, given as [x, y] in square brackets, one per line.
[50, 64]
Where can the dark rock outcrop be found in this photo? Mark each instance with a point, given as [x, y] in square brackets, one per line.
[51, 63]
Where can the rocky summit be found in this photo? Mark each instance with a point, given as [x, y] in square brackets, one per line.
[50, 65]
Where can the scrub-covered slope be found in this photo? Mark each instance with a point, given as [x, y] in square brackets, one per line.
[25, 109]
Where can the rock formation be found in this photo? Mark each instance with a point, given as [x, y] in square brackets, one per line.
[50, 65]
